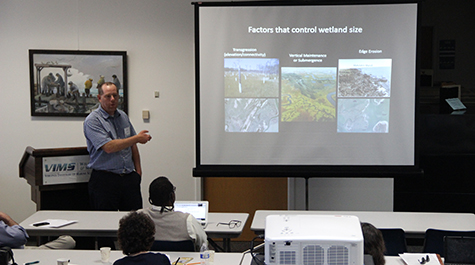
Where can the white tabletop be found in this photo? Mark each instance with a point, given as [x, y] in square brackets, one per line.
[106, 223]
[83, 257]
[394, 260]
[212, 229]
[412, 222]
[88, 257]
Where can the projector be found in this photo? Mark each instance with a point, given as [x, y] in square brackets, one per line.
[313, 240]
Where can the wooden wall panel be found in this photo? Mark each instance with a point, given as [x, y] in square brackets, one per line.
[245, 195]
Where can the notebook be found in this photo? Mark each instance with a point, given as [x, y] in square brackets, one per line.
[199, 209]
[459, 250]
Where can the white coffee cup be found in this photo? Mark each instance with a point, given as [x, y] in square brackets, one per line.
[62, 261]
[105, 254]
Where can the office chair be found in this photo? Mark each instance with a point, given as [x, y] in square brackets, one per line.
[459, 250]
[434, 239]
[186, 245]
[394, 240]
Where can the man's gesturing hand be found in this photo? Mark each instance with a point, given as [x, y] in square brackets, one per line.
[144, 137]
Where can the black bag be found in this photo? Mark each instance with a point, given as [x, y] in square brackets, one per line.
[6, 254]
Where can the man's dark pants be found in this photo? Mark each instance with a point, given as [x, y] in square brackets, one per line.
[114, 192]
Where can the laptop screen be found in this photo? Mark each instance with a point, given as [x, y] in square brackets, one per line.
[199, 209]
[459, 249]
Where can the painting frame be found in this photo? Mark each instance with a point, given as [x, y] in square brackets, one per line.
[72, 90]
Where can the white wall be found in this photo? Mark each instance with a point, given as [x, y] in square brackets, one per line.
[342, 194]
[158, 37]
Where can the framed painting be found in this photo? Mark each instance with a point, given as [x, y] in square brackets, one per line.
[66, 82]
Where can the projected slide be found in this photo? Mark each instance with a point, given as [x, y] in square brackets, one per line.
[318, 85]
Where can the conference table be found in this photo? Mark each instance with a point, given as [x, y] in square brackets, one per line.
[413, 223]
[106, 224]
[83, 257]
[88, 257]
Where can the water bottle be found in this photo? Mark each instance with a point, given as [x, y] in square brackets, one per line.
[204, 254]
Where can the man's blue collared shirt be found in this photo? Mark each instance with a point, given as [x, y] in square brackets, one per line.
[100, 128]
[14, 236]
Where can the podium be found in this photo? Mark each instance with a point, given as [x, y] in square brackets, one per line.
[58, 177]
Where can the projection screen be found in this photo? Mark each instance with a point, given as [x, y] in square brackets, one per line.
[287, 89]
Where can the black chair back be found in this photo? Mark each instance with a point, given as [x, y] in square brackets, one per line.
[434, 239]
[459, 250]
[395, 241]
[186, 245]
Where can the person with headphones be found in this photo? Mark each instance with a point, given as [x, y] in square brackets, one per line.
[172, 225]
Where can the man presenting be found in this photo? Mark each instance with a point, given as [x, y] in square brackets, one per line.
[114, 156]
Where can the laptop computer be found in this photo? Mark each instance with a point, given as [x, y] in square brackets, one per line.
[459, 250]
[199, 209]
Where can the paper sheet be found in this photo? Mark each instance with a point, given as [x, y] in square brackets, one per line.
[420, 258]
[455, 103]
[55, 223]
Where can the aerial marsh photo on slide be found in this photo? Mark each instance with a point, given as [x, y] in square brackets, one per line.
[308, 94]
[251, 115]
[251, 77]
[363, 115]
[364, 77]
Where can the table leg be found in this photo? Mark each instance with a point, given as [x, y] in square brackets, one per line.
[227, 244]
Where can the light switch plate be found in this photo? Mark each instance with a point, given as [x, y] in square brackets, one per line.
[145, 114]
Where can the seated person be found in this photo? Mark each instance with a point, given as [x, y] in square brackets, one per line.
[14, 236]
[171, 225]
[11, 233]
[62, 242]
[373, 243]
[136, 236]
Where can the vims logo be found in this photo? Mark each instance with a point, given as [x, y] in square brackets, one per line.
[60, 167]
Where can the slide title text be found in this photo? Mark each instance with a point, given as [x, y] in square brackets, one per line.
[304, 30]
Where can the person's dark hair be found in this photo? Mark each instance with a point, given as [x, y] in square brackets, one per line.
[136, 233]
[161, 192]
[373, 243]
[101, 91]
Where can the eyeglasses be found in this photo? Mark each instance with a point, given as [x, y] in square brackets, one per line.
[231, 224]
